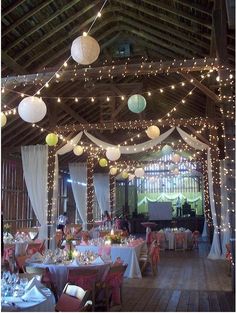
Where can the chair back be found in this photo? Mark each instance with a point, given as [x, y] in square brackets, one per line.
[72, 299]
[20, 262]
[84, 278]
[36, 246]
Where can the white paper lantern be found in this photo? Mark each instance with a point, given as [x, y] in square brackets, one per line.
[153, 132]
[85, 50]
[131, 176]
[113, 153]
[176, 158]
[139, 172]
[3, 119]
[113, 170]
[32, 109]
[166, 149]
[78, 150]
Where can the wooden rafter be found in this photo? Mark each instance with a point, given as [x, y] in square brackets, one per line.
[160, 67]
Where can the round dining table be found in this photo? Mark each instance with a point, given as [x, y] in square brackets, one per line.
[59, 271]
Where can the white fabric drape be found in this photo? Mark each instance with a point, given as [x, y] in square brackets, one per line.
[70, 145]
[102, 190]
[215, 252]
[78, 175]
[131, 149]
[204, 232]
[225, 230]
[53, 226]
[35, 160]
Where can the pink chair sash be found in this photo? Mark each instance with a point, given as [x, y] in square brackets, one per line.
[104, 250]
[68, 303]
[8, 252]
[84, 281]
[155, 254]
[114, 280]
[149, 238]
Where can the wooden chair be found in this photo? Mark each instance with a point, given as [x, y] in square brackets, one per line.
[85, 278]
[110, 290]
[36, 246]
[20, 262]
[144, 259]
[161, 239]
[72, 299]
[195, 238]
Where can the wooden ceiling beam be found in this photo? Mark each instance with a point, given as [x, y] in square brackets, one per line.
[179, 13]
[49, 19]
[209, 93]
[25, 17]
[11, 7]
[12, 64]
[137, 124]
[195, 6]
[131, 69]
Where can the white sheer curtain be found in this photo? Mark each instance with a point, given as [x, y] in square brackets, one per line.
[35, 162]
[102, 190]
[225, 230]
[215, 252]
[78, 175]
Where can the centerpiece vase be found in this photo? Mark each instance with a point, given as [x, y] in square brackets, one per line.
[70, 251]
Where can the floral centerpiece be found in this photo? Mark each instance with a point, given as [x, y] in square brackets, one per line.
[6, 228]
[69, 239]
[113, 238]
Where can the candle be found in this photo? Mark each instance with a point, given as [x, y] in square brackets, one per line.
[112, 232]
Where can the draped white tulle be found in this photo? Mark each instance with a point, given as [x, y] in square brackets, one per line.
[102, 190]
[78, 175]
[35, 160]
[131, 149]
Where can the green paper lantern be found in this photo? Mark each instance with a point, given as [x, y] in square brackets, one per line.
[103, 162]
[167, 149]
[136, 103]
[52, 139]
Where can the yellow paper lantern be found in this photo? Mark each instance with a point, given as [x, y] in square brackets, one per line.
[125, 174]
[153, 132]
[103, 162]
[176, 171]
[52, 139]
[113, 170]
[78, 150]
[176, 158]
[3, 119]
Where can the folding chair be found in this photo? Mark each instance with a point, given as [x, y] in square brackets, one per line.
[72, 299]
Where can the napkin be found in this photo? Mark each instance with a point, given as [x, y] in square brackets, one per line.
[75, 263]
[98, 260]
[33, 295]
[36, 257]
[188, 230]
[33, 282]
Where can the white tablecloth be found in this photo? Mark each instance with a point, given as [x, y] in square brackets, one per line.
[170, 237]
[129, 255]
[59, 272]
[17, 304]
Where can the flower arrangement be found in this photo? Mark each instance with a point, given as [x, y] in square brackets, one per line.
[7, 228]
[113, 238]
[69, 239]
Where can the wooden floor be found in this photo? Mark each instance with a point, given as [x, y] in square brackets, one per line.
[186, 281]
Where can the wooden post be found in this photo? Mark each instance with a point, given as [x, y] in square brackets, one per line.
[112, 181]
[90, 191]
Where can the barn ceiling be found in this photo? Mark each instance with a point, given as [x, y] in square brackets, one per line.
[164, 50]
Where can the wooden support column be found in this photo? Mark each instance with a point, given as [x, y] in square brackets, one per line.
[112, 180]
[90, 191]
[126, 208]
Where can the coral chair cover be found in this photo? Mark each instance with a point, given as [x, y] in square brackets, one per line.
[104, 251]
[8, 252]
[20, 262]
[179, 239]
[155, 254]
[160, 237]
[195, 237]
[85, 280]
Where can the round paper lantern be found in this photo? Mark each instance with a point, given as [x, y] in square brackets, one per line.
[131, 176]
[103, 162]
[32, 109]
[3, 119]
[113, 170]
[139, 172]
[176, 158]
[78, 150]
[85, 50]
[52, 139]
[136, 103]
[113, 153]
[166, 149]
[153, 132]
[125, 174]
